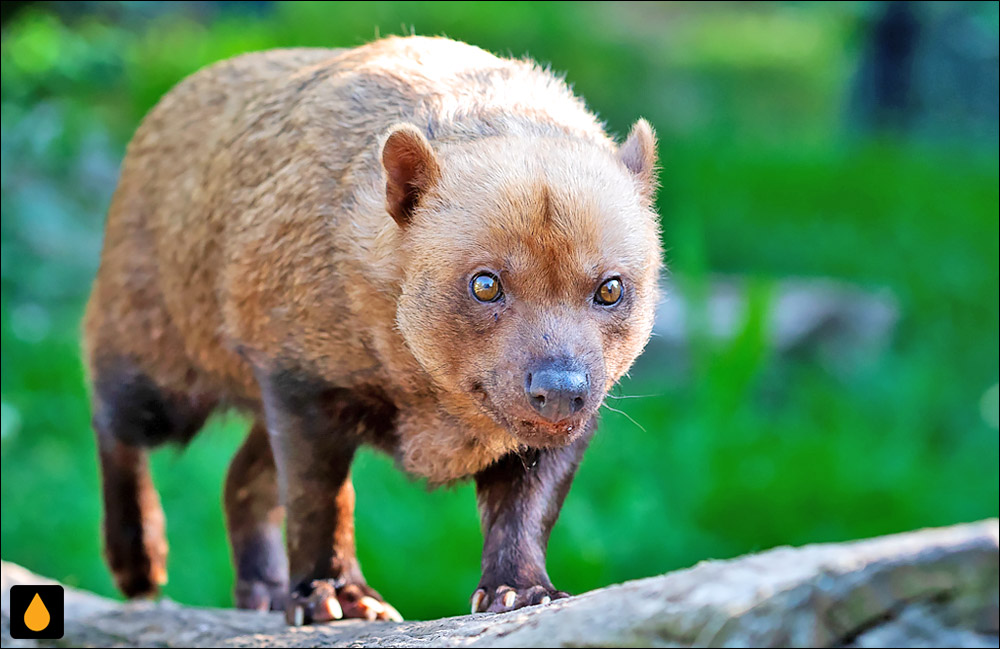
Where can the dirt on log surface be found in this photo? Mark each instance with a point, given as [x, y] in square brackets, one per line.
[931, 588]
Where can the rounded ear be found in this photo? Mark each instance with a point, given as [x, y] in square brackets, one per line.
[638, 154]
[410, 168]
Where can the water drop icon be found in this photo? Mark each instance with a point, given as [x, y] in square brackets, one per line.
[37, 616]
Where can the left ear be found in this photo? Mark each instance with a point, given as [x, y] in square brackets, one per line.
[411, 169]
[638, 154]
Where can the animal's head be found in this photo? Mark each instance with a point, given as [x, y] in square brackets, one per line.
[531, 270]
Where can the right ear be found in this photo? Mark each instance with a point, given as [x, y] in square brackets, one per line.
[411, 169]
[638, 154]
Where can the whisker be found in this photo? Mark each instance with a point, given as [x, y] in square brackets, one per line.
[624, 414]
[633, 396]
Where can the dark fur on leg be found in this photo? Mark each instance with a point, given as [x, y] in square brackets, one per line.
[134, 528]
[314, 431]
[253, 519]
[132, 408]
[132, 414]
[519, 500]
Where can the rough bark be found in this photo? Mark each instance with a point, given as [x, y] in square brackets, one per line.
[930, 588]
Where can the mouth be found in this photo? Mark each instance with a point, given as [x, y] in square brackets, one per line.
[537, 433]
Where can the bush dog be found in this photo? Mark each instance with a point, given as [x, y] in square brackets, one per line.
[411, 244]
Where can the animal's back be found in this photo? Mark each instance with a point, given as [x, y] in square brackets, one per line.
[155, 292]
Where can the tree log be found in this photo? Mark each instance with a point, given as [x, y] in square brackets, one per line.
[930, 588]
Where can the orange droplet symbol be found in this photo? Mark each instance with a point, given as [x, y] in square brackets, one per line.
[37, 616]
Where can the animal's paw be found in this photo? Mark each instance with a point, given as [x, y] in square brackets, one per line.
[505, 598]
[260, 595]
[321, 601]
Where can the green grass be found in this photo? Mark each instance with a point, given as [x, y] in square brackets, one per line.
[739, 449]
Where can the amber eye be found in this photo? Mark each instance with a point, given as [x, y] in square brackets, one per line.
[485, 287]
[609, 293]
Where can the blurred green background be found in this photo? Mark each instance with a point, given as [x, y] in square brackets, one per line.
[788, 150]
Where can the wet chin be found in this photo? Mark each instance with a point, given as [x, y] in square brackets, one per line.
[546, 435]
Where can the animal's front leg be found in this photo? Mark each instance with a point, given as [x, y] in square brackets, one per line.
[311, 434]
[519, 500]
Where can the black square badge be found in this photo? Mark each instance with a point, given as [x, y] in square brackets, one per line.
[36, 612]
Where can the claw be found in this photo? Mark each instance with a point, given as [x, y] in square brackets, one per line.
[333, 608]
[322, 602]
[392, 613]
[477, 599]
[376, 610]
[503, 598]
[372, 607]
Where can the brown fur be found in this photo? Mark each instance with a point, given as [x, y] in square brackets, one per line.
[250, 238]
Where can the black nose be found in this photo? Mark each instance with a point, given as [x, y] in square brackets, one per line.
[557, 392]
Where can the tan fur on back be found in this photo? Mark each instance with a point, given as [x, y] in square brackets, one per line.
[249, 226]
